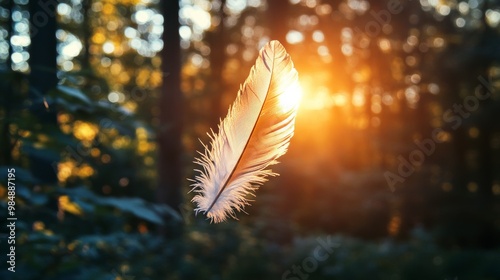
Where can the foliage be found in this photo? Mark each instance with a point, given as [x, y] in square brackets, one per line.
[69, 229]
[417, 258]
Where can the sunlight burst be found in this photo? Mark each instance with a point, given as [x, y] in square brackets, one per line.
[291, 98]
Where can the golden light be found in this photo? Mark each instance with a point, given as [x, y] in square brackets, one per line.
[85, 171]
[320, 98]
[291, 98]
[394, 225]
[358, 99]
[65, 204]
[85, 131]
[65, 170]
[38, 226]
[339, 99]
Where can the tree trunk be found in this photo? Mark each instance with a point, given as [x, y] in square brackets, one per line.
[278, 19]
[43, 77]
[10, 22]
[87, 33]
[171, 113]
[43, 48]
[5, 142]
[217, 42]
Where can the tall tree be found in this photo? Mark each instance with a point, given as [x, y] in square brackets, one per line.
[10, 23]
[43, 48]
[87, 33]
[216, 39]
[171, 111]
[278, 19]
[42, 78]
[5, 141]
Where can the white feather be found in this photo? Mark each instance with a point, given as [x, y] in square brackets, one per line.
[256, 131]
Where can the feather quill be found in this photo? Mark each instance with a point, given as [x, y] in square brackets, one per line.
[254, 134]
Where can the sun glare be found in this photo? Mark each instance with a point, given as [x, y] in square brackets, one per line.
[291, 98]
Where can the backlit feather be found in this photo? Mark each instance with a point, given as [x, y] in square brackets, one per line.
[255, 133]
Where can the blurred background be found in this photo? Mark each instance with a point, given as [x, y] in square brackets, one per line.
[393, 172]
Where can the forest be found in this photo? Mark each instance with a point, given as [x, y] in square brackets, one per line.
[393, 171]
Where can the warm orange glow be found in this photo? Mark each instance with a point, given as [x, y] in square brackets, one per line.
[65, 170]
[85, 131]
[38, 226]
[291, 98]
[65, 204]
[321, 98]
[394, 225]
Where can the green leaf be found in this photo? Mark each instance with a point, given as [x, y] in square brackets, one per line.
[107, 106]
[45, 154]
[135, 206]
[34, 198]
[71, 106]
[75, 93]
